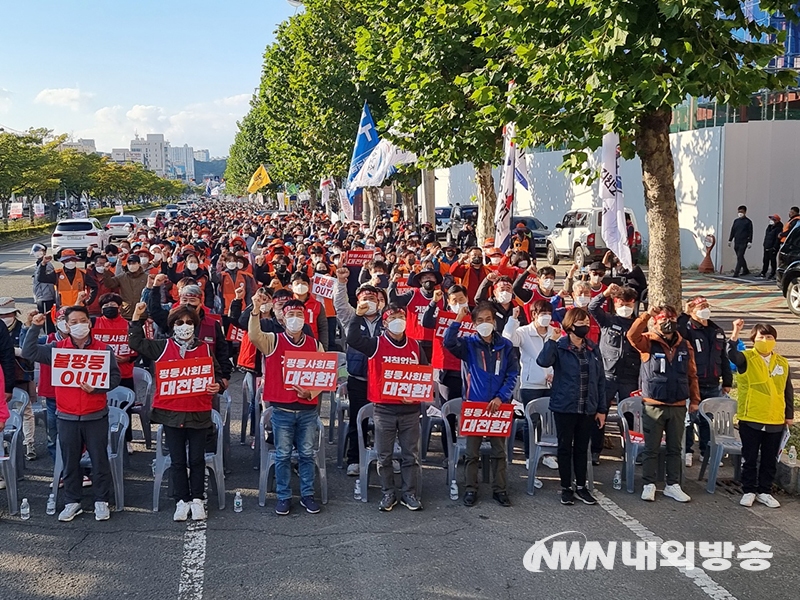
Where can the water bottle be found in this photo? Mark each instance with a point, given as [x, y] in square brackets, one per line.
[25, 510]
[357, 490]
[792, 456]
[51, 505]
[237, 502]
[618, 480]
[453, 490]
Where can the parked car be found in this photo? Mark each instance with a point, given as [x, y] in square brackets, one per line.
[117, 226]
[442, 219]
[787, 275]
[166, 215]
[579, 235]
[459, 216]
[78, 234]
[539, 232]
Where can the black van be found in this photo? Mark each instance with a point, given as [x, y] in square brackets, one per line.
[787, 275]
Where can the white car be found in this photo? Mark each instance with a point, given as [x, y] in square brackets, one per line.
[117, 226]
[78, 234]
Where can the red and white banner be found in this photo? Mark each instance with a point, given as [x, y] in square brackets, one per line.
[235, 334]
[15, 210]
[402, 286]
[70, 367]
[187, 377]
[475, 420]
[407, 382]
[311, 370]
[116, 338]
[322, 286]
[358, 258]
[531, 282]
[38, 210]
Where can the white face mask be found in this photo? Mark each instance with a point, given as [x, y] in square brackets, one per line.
[543, 320]
[144, 261]
[38, 254]
[264, 308]
[582, 301]
[62, 327]
[300, 289]
[158, 256]
[192, 266]
[79, 330]
[183, 332]
[100, 268]
[741, 214]
[504, 297]
[496, 260]
[294, 324]
[457, 307]
[485, 329]
[70, 265]
[704, 313]
[133, 267]
[9, 321]
[547, 284]
[372, 307]
[625, 311]
[240, 265]
[523, 264]
[397, 326]
[595, 278]
[230, 265]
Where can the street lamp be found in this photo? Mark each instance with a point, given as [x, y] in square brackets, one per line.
[295, 3]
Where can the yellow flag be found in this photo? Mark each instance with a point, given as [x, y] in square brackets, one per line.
[259, 179]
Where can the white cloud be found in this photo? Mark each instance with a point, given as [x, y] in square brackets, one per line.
[72, 98]
[5, 94]
[5, 100]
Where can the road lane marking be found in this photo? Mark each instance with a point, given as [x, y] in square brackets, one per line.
[193, 562]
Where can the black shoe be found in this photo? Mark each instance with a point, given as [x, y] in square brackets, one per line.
[470, 498]
[584, 496]
[567, 497]
[501, 498]
[595, 458]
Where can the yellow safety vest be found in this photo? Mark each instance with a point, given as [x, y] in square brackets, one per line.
[761, 389]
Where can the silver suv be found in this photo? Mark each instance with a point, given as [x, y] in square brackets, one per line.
[579, 236]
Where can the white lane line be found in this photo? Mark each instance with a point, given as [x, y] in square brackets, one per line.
[698, 576]
[193, 563]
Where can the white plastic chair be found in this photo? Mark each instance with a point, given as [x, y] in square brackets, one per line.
[719, 412]
[19, 400]
[121, 397]
[9, 462]
[248, 396]
[458, 449]
[143, 385]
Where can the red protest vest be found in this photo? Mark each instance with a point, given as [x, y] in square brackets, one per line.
[247, 354]
[313, 311]
[275, 391]
[193, 403]
[121, 325]
[45, 389]
[442, 357]
[73, 400]
[207, 332]
[537, 295]
[388, 353]
[414, 311]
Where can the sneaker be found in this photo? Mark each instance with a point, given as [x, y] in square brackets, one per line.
[470, 498]
[595, 458]
[396, 467]
[410, 502]
[748, 499]
[675, 492]
[30, 452]
[129, 447]
[101, 512]
[537, 483]
[585, 496]
[501, 498]
[60, 484]
[649, 492]
[71, 510]
[309, 504]
[198, 510]
[567, 497]
[551, 462]
[387, 502]
[527, 464]
[86, 482]
[688, 460]
[282, 507]
[353, 470]
[768, 501]
[182, 509]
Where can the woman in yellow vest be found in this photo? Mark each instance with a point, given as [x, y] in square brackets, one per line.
[766, 408]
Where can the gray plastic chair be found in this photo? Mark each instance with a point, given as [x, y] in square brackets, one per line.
[9, 462]
[428, 423]
[121, 397]
[19, 400]
[162, 462]
[547, 444]
[341, 405]
[248, 397]
[458, 449]
[719, 413]
[266, 476]
[225, 413]
[39, 404]
[334, 408]
[143, 385]
[118, 423]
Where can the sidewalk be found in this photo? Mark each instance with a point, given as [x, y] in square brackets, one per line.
[734, 293]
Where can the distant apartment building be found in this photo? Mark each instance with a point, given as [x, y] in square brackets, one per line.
[123, 156]
[86, 146]
[202, 155]
[154, 152]
[181, 162]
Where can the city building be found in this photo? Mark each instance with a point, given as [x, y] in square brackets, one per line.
[202, 155]
[154, 151]
[123, 156]
[86, 146]
[181, 162]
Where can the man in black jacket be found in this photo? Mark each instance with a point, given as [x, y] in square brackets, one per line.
[772, 243]
[742, 238]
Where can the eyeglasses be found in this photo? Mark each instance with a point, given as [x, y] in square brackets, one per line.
[183, 323]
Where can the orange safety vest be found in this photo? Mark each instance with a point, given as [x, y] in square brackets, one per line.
[229, 287]
[68, 292]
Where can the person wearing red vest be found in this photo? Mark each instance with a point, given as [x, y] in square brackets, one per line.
[95, 275]
[187, 417]
[470, 271]
[294, 410]
[315, 311]
[82, 413]
[416, 302]
[45, 388]
[232, 277]
[394, 419]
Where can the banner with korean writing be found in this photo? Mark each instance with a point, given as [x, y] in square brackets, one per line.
[15, 210]
[402, 286]
[38, 210]
[71, 367]
[358, 258]
[476, 420]
[442, 358]
[407, 382]
[116, 338]
[530, 283]
[322, 286]
[189, 377]
[311, 370]
[235, 334]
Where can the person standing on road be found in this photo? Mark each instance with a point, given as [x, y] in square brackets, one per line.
[742, 238]
[129, 284]
[794, 218]
[70, 281]
[765, 409]
[44, 294]
[23, 369]
[772, 243]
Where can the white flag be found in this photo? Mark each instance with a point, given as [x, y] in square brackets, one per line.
[505, 202]
[380, 165]
[614, 228]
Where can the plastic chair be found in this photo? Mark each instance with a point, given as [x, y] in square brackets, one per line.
[458, 449]
[162, 462]
[19, 400]
[118, 423]
[342, 380]
[266, 476]
[121, 397]
[225, 413]
[38, 405]
[143, 385]
[719, 412]
[341, 404]
[428, 425]
[248, 396]
[547, 444]
[9, 462]
[516, 423]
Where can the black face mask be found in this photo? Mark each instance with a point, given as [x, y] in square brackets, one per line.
[477, 261]
[110, 312]
[450, 254]
[429, 286]
[580, 330]
[280, 268]
[667, 327]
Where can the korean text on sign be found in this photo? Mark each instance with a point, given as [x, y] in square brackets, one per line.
[235, 334]
[117, 339]
[358, 258]
[406, 383]
[187, 377]
[311, 370]
[403, 287]
[72, 367]
[476, 420]
[531, 282]
[322, 286]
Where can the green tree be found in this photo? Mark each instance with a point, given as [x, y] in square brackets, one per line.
[249, 150]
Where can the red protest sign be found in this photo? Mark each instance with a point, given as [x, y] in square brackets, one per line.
[531, 282]
[322, 286]
[311, 370]
[235, 334]
[189, 377]
[442, 358]
[475, 420]
[402, 286]
[70, 367]
[116, 338]
[358, 258]
[407, 382]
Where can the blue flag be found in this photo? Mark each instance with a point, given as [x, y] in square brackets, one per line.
[208, 187]
[366, 140]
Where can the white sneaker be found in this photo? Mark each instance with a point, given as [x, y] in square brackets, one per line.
[181, 511]
[551, 462]
[101, 512]
[527, 464]
[198, 510]
[396, 466]
[537, 483]
[768, 501]
[747, 499]
[71, 510]
[649, 492]
[688, 460]
[353, 470]
[129, 447]
[675, 492]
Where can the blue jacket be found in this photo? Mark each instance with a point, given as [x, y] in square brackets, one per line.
[491, 369]
[565, 391]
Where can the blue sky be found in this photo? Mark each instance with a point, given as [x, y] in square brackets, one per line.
[105, 69]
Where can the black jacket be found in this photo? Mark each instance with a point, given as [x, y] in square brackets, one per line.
[741, 231]
[621, 361]
[710, 351]
[772, 236]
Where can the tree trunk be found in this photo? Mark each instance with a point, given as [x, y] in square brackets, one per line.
[658, 178]
[372, 210]
[312, 199]
[487, 202]
[409, 205]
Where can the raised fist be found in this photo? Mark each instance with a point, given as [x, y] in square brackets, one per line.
[342, 274]
[141, 308]
[160, 279]
[38, 319]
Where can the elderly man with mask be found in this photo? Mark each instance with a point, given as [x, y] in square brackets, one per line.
[502, 298]
[128, 284]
